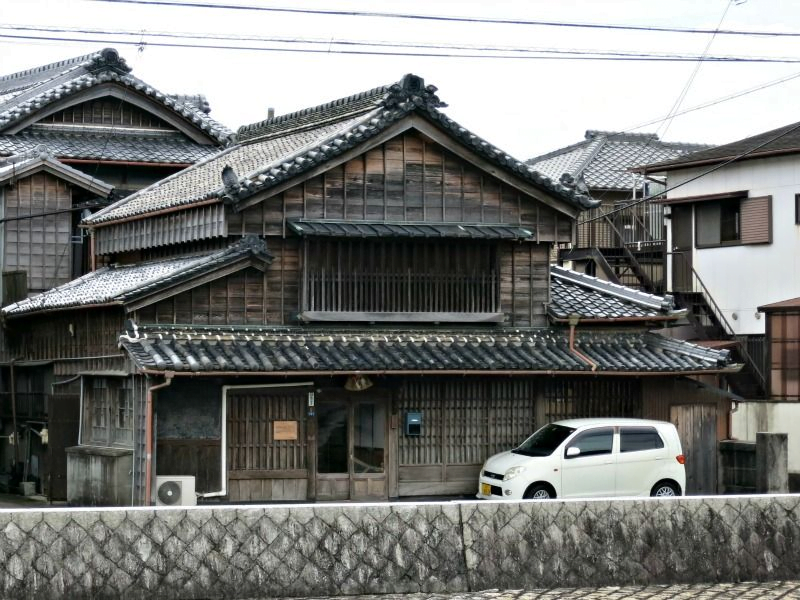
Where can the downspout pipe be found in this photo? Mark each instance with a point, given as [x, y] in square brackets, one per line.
[573, 323]
[13, 389]
[148, 437]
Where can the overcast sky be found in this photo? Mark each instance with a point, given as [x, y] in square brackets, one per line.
[525, 106]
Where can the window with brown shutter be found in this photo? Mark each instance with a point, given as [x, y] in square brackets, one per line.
[756, 219]
[733, 221]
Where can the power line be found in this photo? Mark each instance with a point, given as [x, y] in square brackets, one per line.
[142, 35]
[552, 54]
[454, 19]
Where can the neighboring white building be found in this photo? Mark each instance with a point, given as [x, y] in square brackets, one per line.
[734, 217]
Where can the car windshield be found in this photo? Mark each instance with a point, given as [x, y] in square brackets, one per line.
[544, 441]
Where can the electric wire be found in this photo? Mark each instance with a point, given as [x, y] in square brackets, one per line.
[581, 56]
[455, 19]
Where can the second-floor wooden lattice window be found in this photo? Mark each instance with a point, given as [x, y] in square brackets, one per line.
[424, 280]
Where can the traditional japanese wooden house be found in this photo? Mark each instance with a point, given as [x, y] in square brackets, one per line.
[74, 136]
[354, 301]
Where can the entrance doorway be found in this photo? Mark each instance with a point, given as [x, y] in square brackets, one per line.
[352, 449]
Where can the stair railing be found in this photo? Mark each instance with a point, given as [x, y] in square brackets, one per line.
[698, 286]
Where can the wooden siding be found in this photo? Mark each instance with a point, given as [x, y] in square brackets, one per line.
[248, 297]
[68, 334]
[466, 421]
[756, 220]
[408, 178]
[41, 246]
[259, 466]
[188, 225]
[524, 284]
[200, 458]
[107, 111]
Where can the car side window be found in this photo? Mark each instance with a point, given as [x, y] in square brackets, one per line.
[593, 442]
[636, 439]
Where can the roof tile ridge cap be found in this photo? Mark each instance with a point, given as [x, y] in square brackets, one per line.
[306, 148]
[69, 63]
[613, 289]
[123, 201]
[588, 155]
[312, 109]
[39, 91]
[192, 263]
[303, 127]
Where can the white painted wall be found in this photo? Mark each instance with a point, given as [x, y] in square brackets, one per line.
[774, 417]
[742, 278]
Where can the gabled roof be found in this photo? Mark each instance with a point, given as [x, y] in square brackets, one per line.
[41, 159]
[24, 94]
[593, 299]
[783, 140]
[604, 159]
[276, 150]
[121, 284]
[212, 350]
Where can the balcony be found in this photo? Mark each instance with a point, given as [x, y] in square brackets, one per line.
[369, 296]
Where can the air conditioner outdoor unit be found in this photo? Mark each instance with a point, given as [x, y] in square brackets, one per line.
[175, 490]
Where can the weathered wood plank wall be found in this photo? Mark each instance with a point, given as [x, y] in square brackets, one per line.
[39, 245]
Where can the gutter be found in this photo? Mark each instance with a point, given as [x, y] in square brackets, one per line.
[573, 323]
[148, 437]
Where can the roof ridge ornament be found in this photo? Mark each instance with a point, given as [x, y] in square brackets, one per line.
[108, 59]
[412, 89]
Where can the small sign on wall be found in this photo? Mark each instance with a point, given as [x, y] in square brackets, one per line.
[284, 430]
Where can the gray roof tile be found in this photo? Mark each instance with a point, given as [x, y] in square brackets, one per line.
[263, 350]
[590, 298]
[117, 284]
[119, 145]
[604, 159]
[377, 229]
[283, 147]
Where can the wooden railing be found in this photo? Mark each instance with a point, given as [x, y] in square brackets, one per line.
[405, 292]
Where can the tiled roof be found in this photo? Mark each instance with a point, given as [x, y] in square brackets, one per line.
[783, 140]
[40, 157]
[590, 298]
[281, 148]
[604, 159]
[116, 145]
[377, 229]
[261, 350]
[117, 284]
[36, 88]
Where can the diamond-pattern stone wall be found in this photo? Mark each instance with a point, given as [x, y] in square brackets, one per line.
[331, 550]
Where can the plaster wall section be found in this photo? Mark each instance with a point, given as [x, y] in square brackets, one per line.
[742, 278]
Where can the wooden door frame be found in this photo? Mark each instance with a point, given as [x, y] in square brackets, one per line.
[350, 400]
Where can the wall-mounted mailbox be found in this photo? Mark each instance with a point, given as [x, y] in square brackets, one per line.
[413, 423]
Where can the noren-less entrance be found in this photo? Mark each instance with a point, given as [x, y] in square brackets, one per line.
[352, 456]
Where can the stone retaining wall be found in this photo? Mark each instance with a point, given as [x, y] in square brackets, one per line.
[326, 549]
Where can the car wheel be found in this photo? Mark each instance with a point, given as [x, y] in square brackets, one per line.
[538, 492]
[664, 488]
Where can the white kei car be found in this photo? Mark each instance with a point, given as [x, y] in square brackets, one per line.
[589, 458]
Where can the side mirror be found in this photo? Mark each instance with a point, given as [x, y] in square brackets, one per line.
[573, 451]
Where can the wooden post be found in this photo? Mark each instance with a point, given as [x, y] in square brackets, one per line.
[772, 463]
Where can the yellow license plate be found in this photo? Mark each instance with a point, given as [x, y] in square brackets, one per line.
[486, 489]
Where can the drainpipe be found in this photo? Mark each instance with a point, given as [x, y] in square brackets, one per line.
[573, 323]
[14, 410]
[148, 436]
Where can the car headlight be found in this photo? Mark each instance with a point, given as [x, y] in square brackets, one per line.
[513, 472]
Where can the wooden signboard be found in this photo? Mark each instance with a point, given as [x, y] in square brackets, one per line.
[284, 430]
